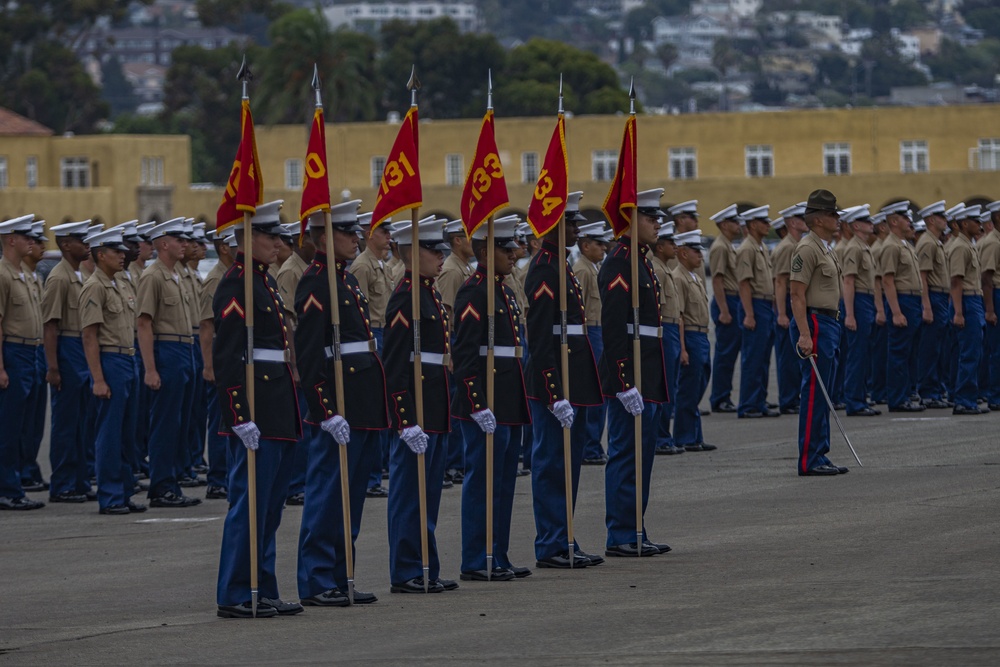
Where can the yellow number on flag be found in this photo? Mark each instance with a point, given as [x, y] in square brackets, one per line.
[492, 161]
[544, 186]
[550, 203]
[314, 166]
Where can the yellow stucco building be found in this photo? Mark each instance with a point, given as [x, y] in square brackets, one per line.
[862, 155]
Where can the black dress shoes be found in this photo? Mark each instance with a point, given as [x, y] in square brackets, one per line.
[593, 558]
[865, 412]
[330, 598]
[21, 503]
[34, 486]
[135, 508]
[841, 470]
[68, 497]
[377, 492]
[630, 551]
[216, 493]
[171, 499]
[700, 447]
[114, 509]
[724, 406]
[446, 584]
[455, 475]
[839, 406]
[936, 404]
[820, 471]
[596, 461]
[790, 410]
[668, 450]
[416, 586]
[561, 562]
[520, 572]
[245, 611]
[965, 410]
[283, 608]
[751, 414]
[907, 407]
[661, 548]
[523, 472]
[498, 574]
[294, 499]
[447, 483]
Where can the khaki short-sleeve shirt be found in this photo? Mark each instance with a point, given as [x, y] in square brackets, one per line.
[899, 259]
[103, 303]
[930, 258]
[668, 291]
[208, 290]
[454, 273]
[753, 263]
[61, 297]
[722, 259]
[191, 289]
[692, 299]
[963, 261]
[161, 298]
[814, 264]
[374, 283]
[129, 291]
[288, 279]
[858, 262]
[395, 269]
[586, 273]
[781, 258]
[989, 255]
[20, 310]
[877, 248]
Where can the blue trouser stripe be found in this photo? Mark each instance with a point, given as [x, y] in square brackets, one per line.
[727, 348]
[814, 413]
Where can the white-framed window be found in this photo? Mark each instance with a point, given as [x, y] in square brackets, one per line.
[31, 171]
[4, 177]
[454, 174]
[759, 161]
[151, 171]
[989, 155]
[529, 167]
[74, 172]
[378, 168]
[837, 159]
[604, 164]
[293, 174]
[913, 157]
[683, 163]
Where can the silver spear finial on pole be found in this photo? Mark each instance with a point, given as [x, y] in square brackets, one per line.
[245, 75]
[413, 85]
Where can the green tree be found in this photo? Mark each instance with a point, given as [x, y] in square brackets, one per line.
[247, 17]
[982, 14]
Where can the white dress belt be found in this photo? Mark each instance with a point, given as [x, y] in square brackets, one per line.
[571, 330]
[352, 348]
[507, 351]
[276, 356]
[432, 358]
[648, 331]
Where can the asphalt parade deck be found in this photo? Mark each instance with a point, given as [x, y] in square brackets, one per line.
[895, 563]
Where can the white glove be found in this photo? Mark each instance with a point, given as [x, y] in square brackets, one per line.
[338, 427]
[415, 439]
[486, 420]
[632, 400]
[249, 434]
[563, 411]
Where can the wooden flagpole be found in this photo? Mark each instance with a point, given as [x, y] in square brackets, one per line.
[564, 362]
[636, 358]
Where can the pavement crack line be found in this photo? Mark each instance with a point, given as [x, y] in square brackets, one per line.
[107, 633]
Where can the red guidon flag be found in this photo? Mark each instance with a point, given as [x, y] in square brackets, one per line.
[400, 186]
[549, 201]
[245, 188]
[485, 190]
[315, 186]
[621, 199]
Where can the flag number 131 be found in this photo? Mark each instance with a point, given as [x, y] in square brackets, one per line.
[393, 174]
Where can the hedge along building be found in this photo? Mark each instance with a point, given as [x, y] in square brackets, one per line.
[862, 155]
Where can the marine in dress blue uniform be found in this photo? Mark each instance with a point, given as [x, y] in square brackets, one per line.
[322, 568]
[618, 380]
[430, 435]
[544, 380]
[725, 304]
[273, 428]
[21, 331]
[816, 292]
[67, 367]
[469, 405]
[108, 335]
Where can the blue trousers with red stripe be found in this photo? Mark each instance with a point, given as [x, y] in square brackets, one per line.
[814, 414]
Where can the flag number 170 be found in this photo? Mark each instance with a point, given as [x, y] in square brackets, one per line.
[393, 174]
